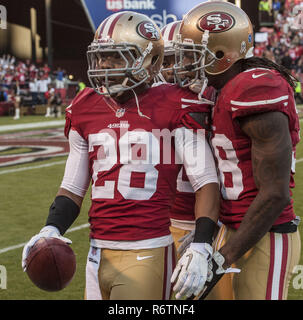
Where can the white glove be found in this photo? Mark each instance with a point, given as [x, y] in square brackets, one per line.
[215, 273]
[185, 242]
[191, 270]
[46, 232]
[219, 259]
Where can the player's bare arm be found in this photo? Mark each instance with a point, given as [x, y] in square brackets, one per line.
[66, 193]
[271, 160]
[208, 202]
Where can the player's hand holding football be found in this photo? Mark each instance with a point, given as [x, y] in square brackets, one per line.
[190, 273]
[46, 232]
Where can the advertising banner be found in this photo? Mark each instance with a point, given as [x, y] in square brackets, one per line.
[161, 11]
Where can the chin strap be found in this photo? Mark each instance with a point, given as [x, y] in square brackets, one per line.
[116, 89]
[199, 88]
[138, 106]
[204, 79]
[203, 87]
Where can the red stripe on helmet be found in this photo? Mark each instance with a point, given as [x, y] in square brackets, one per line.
[172, 31]
[102, 28]
[163, 30]
[112, 26]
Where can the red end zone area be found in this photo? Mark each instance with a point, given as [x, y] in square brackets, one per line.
[32, 146]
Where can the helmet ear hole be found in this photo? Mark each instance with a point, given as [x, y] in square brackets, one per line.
[219, 54]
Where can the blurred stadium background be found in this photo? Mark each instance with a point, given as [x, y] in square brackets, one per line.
[43, 65]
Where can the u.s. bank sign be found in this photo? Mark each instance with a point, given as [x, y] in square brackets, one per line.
[115, 5]
[161, 11]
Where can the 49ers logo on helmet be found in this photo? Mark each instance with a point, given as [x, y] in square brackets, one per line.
[148, 31]
[216, 22]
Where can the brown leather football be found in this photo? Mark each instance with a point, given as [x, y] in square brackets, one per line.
[51, 264]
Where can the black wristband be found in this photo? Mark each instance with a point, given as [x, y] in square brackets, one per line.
[62, 213]
[205, 229]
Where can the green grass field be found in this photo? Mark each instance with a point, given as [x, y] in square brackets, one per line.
[27, 119]
[25, 197]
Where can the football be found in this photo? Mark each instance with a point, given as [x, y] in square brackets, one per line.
[51, 264]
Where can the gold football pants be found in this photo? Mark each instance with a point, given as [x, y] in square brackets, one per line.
[129, 274]
[266, 269]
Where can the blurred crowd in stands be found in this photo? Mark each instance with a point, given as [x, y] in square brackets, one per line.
[24, 83]
[284, 42]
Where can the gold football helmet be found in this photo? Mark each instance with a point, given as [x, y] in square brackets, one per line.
[213, 36]
[135, 39]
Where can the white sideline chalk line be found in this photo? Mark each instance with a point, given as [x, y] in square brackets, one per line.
[20, 245]
[32, 125]
[33, 167]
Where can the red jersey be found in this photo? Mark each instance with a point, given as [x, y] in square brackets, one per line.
[184, 204]
[250, 92]
[131, 201]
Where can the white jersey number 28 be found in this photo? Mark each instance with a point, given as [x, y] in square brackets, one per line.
[107, 158]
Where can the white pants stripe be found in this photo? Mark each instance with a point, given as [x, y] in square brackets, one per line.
[277, 268]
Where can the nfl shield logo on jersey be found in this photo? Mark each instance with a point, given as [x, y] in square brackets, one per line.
[114, 5]
[120, 112]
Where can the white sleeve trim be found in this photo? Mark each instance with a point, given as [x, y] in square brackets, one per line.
[256, 103]
[196, 156]
[253, 69]
[76, 176]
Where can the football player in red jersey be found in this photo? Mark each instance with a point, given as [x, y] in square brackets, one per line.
[120, 135]
[255, 129]
[182, 212]
[169, 35]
